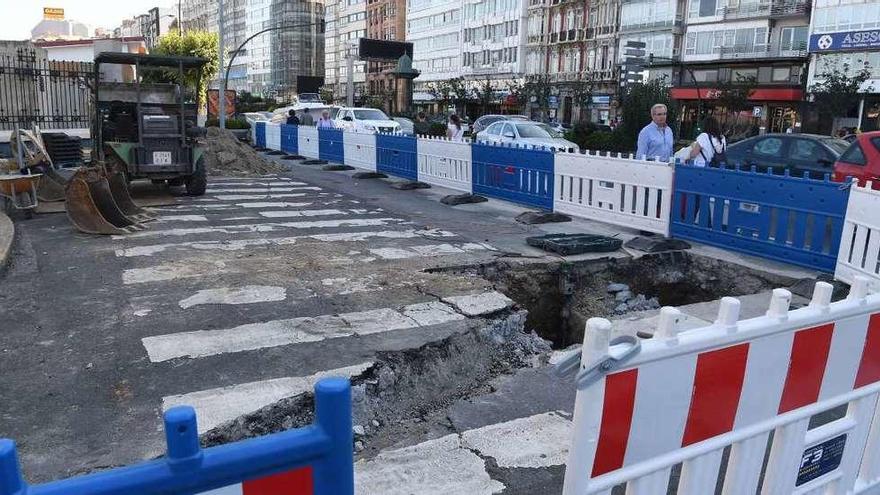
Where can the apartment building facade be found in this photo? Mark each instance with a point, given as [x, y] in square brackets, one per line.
[386, 20]
[434, 27]
[345, 23]
[493, 42]
[731, 41]
[845, 36]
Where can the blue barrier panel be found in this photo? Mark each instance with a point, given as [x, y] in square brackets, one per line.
[289, 139]
[261, 135]
[316, 459]
[330, 145]
[780, 217]
[514, 174]
[396, 155]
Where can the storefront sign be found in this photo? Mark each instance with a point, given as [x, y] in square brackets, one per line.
[53, 14]
[851, 40]
[757, 111]
[601, 99]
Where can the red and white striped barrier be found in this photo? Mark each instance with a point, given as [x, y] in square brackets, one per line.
[685, 397]
[295, 482]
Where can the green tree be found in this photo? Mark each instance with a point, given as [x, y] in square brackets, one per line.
[485, 95]
[636, 109]
[459, 93]
[838, 91]
[537, 92]
[441, 91]
[189, 44]
[582, 92]
[327, 94]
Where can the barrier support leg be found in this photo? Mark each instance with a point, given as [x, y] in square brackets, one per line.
[11, 481]
[335, 474]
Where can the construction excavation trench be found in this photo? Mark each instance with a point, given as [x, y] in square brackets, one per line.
[412, 393]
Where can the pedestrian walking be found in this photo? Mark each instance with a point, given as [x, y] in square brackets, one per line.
[656, 139]
[325, 122]
[292, 119]
[307, 118]
[710, 148]
[453, 128]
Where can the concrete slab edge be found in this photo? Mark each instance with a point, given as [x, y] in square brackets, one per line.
[7, 234]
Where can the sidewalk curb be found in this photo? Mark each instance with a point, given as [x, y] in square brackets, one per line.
[7, 234]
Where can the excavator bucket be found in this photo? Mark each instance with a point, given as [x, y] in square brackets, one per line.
[119, 188]
[91, 208]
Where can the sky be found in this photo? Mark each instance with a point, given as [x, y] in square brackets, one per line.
[20, 16]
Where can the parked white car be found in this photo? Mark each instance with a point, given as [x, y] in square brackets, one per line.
[531, 134]
[365, 119]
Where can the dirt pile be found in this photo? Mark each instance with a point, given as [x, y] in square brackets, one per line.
[227, 156]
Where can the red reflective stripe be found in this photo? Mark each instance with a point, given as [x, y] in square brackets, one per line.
[809, 354]
[296, 482]
[617, 413]
[718, 384]
[869, 367]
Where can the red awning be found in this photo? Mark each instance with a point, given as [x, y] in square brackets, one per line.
[761, 94]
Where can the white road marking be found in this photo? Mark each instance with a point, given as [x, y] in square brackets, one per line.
[269, 190]
[249, 294]
[241, 197]
[301, 213]
[276, 333]
[269, 204]
[391, 253]
[142, 312]
[218, 405]
[183, 218]
[240, 218]
[437, 466]
[195, 207]
[261, 227]
[285, 183]
[537, 441]
[479, 304]
[239, 244]
[172, 271]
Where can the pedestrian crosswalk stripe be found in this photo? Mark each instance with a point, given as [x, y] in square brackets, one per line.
[268, 190]
[276, 333]
[183, 218]
[261, 227]
[218, 405]
[286, 183]
[239, 244]
[393, 253]
[240, 197]
[248, 294]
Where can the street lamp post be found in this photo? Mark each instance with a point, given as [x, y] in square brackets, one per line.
[221, 98]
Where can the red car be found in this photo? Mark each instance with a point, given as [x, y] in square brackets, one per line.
[861, 160]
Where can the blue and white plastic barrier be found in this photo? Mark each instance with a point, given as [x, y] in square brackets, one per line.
[260, 134]
[314, 460]
[745, 211]
[273, 136]
[289, 139]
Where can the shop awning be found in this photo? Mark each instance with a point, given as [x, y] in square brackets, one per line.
[761, 94]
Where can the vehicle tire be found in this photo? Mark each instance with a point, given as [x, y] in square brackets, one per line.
[198, 181]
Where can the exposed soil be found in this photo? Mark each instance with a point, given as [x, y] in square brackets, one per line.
[227, 156]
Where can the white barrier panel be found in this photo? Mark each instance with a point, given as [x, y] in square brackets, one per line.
[273, 136]
[307, 141]
[859, 252]
[620, 191]
[445, 163]
[360, 149]
[254, 134]
[685, 397]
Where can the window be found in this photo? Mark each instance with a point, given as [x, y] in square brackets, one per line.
[768, 147]
[793, 38]
[507, 131]
[781, 74]
[855, 155]
[805, 150]
[494, 129]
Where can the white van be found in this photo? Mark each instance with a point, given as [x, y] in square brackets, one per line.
[365, 120]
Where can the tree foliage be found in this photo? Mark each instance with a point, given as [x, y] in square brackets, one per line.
[636, 110]
[536, 92]
[838, 91]
[582, 90]
[484, 94]
[189, 44]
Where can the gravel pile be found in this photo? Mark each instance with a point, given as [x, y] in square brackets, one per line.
[227, 156]
[626, 301]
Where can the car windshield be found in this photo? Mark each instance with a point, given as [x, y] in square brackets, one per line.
[310, 98]
[837, 145]
[334, 112]
[536, 131]
[370, 114]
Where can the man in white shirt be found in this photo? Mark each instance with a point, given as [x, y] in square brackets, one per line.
[655, 139]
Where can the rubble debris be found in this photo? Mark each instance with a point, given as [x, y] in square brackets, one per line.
[225, 155]
[462, 199]
[539, 217]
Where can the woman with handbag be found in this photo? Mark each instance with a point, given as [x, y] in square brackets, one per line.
[711, 146]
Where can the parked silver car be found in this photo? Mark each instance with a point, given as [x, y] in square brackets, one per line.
[526, 133]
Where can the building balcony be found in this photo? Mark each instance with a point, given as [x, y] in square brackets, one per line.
[538, 4]
[669, 24]
[537, 39]
[758, 52]
[597, 31]
[747, 11]
[567, 36]
[786, 8]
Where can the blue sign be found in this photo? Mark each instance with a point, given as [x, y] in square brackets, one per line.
[851, 40]
[821, 459]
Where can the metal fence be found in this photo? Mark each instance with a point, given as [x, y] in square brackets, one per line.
[47, 93]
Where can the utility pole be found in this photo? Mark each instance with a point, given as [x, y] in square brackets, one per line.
[221, 96]
[349, 86]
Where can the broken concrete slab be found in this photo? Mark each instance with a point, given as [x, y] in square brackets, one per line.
[656, 244]
[480, 304]
[539, 217]
[409, 185]
[462, 199]
[336, 168]
[314, 162]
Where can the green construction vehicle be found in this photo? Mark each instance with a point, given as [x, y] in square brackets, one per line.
[147, 130]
